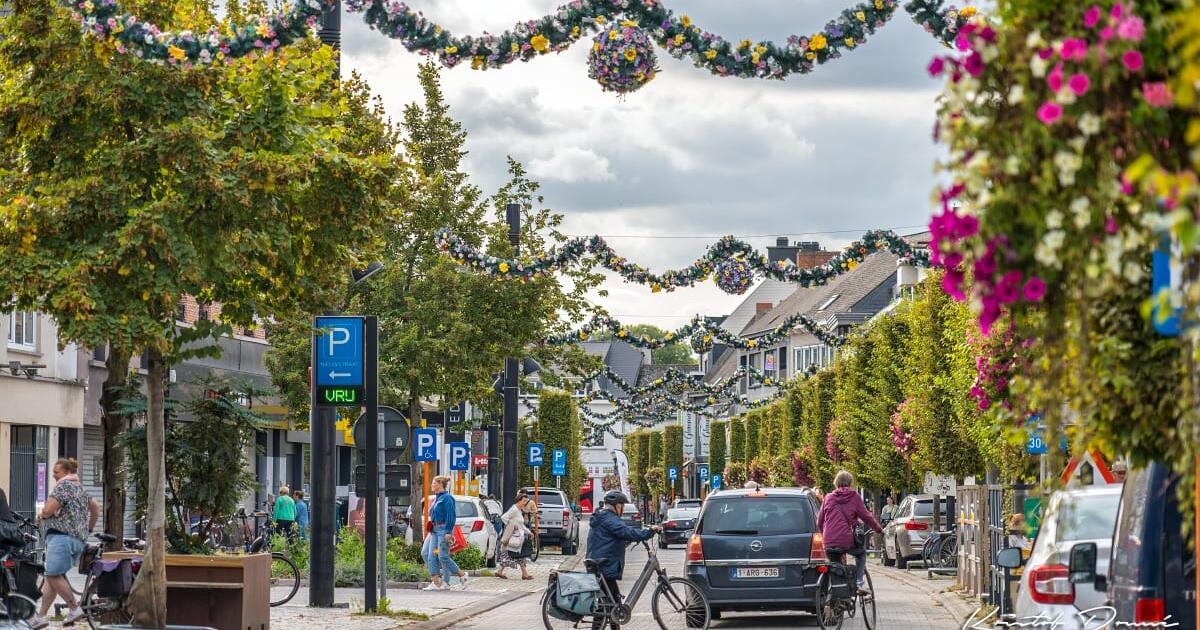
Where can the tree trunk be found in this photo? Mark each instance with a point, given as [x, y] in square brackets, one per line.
[115, 425]
[148, 601]
[417, 487]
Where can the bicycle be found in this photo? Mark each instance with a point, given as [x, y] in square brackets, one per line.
[940, 550]
[838, 597]
[106, 589]
[284, 573]
[676, 602]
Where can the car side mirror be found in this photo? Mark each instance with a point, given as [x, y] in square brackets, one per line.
[1010, 558]
[1082, 569]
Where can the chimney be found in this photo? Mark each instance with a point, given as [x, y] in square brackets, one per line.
[781, 241]
[762, 307]
[810, 254]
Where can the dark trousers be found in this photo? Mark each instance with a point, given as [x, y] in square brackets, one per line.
[615, 588]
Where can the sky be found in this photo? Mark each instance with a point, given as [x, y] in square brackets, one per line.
[665, 171]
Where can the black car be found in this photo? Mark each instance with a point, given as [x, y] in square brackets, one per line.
[1152, 571]
[756, 550]
[678, 526]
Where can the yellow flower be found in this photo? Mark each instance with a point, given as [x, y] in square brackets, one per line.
[630, 55]
[622, 333]
[850, 42]
[810, 56]
[503, 267]
[656, 287]
[220, 56]
[879, 4]
[600, 19]
[596, 46]
[575, 32]
[629, 23]
[967, 11]
[583, 336]
[450, 50]
[853, 264]
[710, 54]
[176, 53]
[516, 47]
[539, 42]
[679, 39]
[752, 343]
[817, 42]
[88, 6]
[862, 17]
[760, 49]
[477, 62]
[613, 34]
[685, 21]
[745, 43]
[754, 58]
[145, 295]
[670, 336]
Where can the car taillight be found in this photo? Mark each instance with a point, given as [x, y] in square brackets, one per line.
[1051, 584]
[1150, 609]
[818, 548]
[670, 525]
[566, 515]
[8, 564]
[915, 526]
[695, 552]
[477, 527]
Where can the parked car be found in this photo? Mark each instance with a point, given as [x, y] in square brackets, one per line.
[1152, 572]
[678, 526]
[558, 524]
[632, 516]
[1071, 517]
[904, 536]
[476, 522]
[756, 550]
[688, 503]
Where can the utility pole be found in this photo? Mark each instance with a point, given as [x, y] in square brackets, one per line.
[512, 212]
[371, 417]
[493, 453]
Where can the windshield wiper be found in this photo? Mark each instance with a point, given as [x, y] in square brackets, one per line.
[744, 532]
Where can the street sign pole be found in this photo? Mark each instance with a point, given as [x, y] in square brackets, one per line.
[512, 213]
[383, 512]
[371, 376]
[322, 419]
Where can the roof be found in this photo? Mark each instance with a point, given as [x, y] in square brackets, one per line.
[620, 357]
[846, 293]
[769, 291]
[723, 368]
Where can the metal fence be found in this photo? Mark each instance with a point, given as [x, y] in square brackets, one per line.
[983, 533]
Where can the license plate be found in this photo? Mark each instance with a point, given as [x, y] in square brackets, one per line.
[755, 572]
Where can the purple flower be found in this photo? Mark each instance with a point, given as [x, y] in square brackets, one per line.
[974, 64]
[936, 66]
[1035, 289]
[985, 266]
[967, 227]
[1091, 17]
[952, 285]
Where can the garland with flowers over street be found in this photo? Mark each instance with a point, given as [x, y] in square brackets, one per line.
[734, 263]
[677, 377]
[702, 331]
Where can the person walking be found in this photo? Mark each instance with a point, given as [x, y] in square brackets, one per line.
[514, 521]
[68, 516]
[889, 509]
[841, 510]
[301, 514]
[285, 512]
[441, 521]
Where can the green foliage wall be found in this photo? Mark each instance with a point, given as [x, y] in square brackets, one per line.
[753, 425]
[716, 446]
[673, 451]
[737, 441]
[559, 426]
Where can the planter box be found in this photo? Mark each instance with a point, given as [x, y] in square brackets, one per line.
[222, 592]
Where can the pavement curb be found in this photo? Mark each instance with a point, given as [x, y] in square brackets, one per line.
[936, 589]
[449, 619]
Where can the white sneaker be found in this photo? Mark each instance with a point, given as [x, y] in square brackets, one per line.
[432, 586]
[37, 623]
[462, 586]
[73, 615]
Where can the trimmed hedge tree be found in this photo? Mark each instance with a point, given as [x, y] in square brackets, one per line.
[559, 426]
[716, 446]
[672, 453]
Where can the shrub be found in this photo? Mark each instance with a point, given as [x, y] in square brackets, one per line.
[469, 559]
[735, 475]
[781, 471]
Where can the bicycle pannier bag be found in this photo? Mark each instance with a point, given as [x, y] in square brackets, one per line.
[114, 578]
[576, 592]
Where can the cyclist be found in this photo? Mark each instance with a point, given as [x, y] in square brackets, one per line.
[607, 538]
[841, 510]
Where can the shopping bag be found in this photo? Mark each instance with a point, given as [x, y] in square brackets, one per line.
[460, 541]
[516, 541]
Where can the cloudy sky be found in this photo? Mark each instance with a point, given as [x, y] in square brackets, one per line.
[665, 171]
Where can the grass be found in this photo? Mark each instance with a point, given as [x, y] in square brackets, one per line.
[384, 609]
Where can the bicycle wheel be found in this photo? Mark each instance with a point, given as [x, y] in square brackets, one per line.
[678, 605]
[285, 579]
[102, 611]
[829, 617]
[946, 556]
[537, 548]
[866, 603]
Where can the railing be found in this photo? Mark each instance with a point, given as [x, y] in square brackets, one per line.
[983, 533]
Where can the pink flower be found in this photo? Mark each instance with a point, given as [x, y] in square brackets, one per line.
[1079, 83]
[1107, 33]
[1091, 17]
[936, 66]
[1110, 224]
[1132, 29]
[1055, 79]
[1049, 113]
[974, 64]
[952, 260]
[967, 226]
[1157, 94]
[1117, 11]
[961, 42]
[952, 285]
[1074, 49]
[1035, 289]
[985, 267]
[1133, 60]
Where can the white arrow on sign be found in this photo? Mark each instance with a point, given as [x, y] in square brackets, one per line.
[333, 374]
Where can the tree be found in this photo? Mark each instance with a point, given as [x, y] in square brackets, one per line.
[558, 426]
[716, 447]
[753, 433]
[672, 452]
[128, 185]
[818, 393]
[737, 440]
[655, 474]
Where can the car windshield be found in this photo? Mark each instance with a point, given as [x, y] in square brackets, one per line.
[1087, 516]
[465, 509]
[549, 498]
[758, 516]
[683, 513]
[924, 507]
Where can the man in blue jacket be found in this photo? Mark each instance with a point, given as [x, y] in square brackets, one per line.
[607, 537]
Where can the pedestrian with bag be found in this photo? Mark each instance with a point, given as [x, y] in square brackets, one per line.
[69, 515]
[441, 522]
[841, 510]
[512, 540]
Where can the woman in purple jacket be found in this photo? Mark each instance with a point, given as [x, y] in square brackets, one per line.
[841, 510]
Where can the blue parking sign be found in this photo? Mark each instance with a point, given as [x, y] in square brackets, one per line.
[460, 455]
[558, 462]
[702, 470]
[535, 454]
[673, 473]
[425, 441]
[718, 481]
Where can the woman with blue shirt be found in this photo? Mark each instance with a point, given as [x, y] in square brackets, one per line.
[441, 523]
[301, 513]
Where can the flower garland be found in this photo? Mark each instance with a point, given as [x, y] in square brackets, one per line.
[622, 58]
[677, 34]
[723, 250]
[702, 331]
[675, 376]
[105, 20]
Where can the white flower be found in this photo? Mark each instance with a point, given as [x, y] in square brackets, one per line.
[1089, 124]
[1065, 96]
[1078, 143]
[1054, 219]
[1016, 94]
[1012, 165]
[990, 53]
[1080, 204]
[1037, 66]
[1046, 256]
[1133, 272]
[1053, 239]
[1034, 40]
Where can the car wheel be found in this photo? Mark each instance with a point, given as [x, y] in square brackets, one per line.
[901, 561]
[887, 561]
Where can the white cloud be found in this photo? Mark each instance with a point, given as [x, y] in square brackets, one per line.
[571, 164]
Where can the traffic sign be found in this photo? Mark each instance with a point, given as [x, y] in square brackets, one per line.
[396, 480]
[558, 462]
[425, 441]
[460, 455]
[535, 454]
[1036, 444]
[672, 473]
[943, 485]
[702, 470]
[479, 461]
[718, 481]
[339, 361]
[394, 438]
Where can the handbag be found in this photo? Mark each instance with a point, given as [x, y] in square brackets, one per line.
[460, 541]
[526, 548]
[860, 536]
[516, 541]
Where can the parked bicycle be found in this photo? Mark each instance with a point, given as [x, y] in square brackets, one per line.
[941, 550]
[577, 600]
[285, 575]
[22, 572]
[838, 597]
[108, 584]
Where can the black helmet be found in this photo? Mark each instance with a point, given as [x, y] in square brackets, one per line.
[614, 497]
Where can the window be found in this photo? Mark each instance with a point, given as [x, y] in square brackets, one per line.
[22, 330]
[827, 303]
[758, 516]
[181, 312]
[769, 364]
[465, 509]
[783, 363]
[756, 362]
